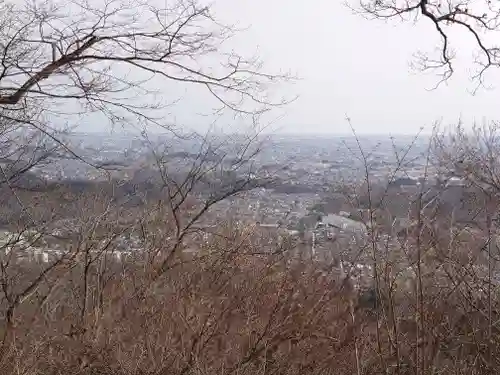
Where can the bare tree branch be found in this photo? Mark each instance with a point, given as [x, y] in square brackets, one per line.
[477, 18]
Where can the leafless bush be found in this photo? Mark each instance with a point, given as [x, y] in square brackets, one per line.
[435, 278]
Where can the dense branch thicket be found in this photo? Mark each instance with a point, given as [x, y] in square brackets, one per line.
[153, 288]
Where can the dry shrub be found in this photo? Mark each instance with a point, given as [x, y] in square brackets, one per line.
[221, 310]
[248, 302]
[237, 307]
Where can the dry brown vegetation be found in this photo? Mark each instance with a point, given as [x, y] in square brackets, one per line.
[193, 300]
[242, 305]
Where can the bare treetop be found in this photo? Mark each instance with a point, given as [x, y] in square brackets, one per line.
[477, 17]
[102, 52]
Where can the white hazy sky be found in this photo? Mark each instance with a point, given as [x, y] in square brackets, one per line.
[347, 66]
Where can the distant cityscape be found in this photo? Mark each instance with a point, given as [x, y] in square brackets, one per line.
[300, 190]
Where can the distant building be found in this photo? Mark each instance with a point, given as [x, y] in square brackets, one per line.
[267, 225]
[343, 223]
[404, 181]
[455, 181]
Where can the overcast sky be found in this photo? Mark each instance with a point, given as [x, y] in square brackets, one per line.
[347, 66]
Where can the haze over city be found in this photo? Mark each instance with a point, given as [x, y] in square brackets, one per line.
[249, 187]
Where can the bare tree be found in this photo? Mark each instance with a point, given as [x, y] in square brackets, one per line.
[62, 60]
[107, 55]
[65, 59]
